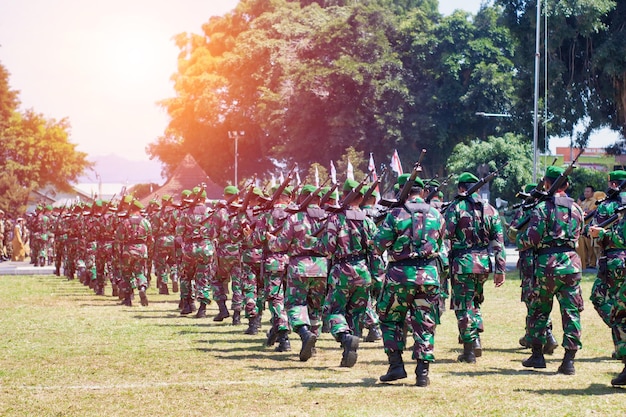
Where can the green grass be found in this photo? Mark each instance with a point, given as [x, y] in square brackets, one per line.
[67, 352]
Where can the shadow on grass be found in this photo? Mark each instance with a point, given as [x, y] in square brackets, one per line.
[593, 389]
[365, 382]
[471, 370]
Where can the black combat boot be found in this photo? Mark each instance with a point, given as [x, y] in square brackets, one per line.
[350, 344]
[620, 380]
[567, 366]
[174, 284]
[283, 342]
[254, 324]
[396, 367]
[272, 336]
[236, 318]
[201, 313]
[551, 343]
[468, 353]
[143, 296]
[188, 306]
[127, 299]
[478, 348]
[308, 342]
[422, 374]
[373, 334]
[536, 359]
[223, 313]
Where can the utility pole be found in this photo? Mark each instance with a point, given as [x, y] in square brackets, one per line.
[236, 134]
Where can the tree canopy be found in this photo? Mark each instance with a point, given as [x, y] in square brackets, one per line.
[36, 152]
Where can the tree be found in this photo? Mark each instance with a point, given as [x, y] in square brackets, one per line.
[35, 151]
[482, 157]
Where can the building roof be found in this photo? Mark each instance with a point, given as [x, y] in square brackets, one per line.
[188, 174]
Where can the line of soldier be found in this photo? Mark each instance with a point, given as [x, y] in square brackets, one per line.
[324, 260]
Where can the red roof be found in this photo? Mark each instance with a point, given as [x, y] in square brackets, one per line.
[188, 174]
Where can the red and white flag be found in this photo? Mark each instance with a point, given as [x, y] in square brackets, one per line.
[371, 167]
[333, 172]
[317, 177]
[396, 165]
[350, 170]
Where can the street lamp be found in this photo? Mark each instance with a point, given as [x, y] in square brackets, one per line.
[236, 134]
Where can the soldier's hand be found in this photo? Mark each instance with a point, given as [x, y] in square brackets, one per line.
[594, 231]
[498, 279]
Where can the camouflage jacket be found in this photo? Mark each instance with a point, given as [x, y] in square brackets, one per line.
[270, 221]
[348, 234]
[294, 237]
[472, 226]
[552, 232]
[133, 231]
[222, 222]
[605, 210]
[250, 253]
[413, 236]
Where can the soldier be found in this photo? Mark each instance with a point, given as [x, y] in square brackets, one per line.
[346, 238]
[227, 254]
[617, 237]
[274, 266]
[413, 235]
[370, 319]
[251, 257]
[612, 260]
[472, 226]
[526, 268]
[133, 232]
[306, 273]
[3, 231]
[198, 250]
[552, 232]
[164, 228]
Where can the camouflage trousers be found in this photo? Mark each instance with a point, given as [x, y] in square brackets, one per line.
[91, 248]
[370, 317]
[606, 286]
[275, 295]
[71, 260]
[199, 267]
[529, 286]
[618, 318]
[228, 268]
[467, 296]
[103, 262]
[421, 303]
[59, 253]
[165, 265]
[566, 289]
[252, 289]
[304, 298]
[347, 297]
[133, 267]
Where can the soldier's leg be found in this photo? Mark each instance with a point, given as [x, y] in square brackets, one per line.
[276, 299]
[570, 300]
[236, 285]
[601, 301]
[393, 305]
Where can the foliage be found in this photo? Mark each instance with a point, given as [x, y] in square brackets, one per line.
[482, 157]
[142, 190]
[35, 151]
[581, 177]
[13, 196]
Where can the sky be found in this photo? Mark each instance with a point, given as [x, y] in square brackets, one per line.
[104, 64]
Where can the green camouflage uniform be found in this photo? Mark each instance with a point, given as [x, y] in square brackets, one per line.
[614, 279]
[228, 258]
[413, 235]
[165, 263]
[198, 250]
[552, 232]
[132, 234]
[307, 270]
[251, 257]
[346, 240]
[472, 226]
[610, 265]
[273, 266]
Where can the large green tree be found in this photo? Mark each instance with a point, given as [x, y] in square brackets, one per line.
[35, 152]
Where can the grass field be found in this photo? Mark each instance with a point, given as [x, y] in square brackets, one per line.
[67, 352]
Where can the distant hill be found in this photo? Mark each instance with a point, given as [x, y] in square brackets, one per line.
[117, 169]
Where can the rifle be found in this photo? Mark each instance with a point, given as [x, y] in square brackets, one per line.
[305, 203]
[406, 188]
[375, 184]
[614, 217]
[474, 188]
[279, 190]
[544, 195]
[610, 195]
[328, 194]
[350, 197]
[435, 190]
